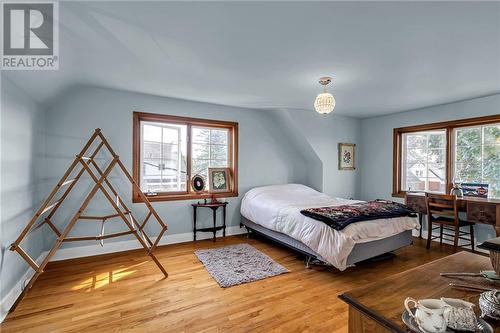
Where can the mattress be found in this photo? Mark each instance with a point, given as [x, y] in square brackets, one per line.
[278, 208]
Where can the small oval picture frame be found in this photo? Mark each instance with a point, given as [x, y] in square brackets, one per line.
[198, 183]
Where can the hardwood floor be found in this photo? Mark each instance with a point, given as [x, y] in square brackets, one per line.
[125, 292]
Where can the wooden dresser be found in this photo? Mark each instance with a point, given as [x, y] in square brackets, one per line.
[479, 210]
[378, 307]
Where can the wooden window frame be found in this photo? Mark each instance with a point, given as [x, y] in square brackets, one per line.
[448, 126]
[189, 194]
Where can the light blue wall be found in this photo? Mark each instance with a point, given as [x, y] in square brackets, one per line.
[22, 174]
[323, 133]
[265, 153]
[376, 138]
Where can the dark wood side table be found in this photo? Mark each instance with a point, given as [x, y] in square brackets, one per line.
[215, 228]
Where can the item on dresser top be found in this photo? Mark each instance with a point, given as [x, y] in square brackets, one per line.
[475, 190]
[457, 190]
[488, 275]
[409, 321]
[493, 245]
[468, 287]
[429, 314]
[489, 303]
[459, 315]
[339, 217]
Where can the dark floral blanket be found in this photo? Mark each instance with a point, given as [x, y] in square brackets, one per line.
[339, 217]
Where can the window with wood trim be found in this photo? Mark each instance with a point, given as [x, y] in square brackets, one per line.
[431, 157]
[169, 150]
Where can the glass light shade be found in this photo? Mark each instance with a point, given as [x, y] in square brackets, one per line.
[324, 103]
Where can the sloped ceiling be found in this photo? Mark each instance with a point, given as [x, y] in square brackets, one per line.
[384, 56]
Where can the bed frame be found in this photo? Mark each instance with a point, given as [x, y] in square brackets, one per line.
[360, 252]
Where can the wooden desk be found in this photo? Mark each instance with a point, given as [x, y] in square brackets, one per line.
[378, 307]
[479, 210]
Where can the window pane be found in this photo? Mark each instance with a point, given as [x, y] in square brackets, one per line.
[170, 151]
[163, 154]
[492, 134]
[218, 152]
[171, 135]
[416, 154]
[152, 149]
[491, 164]
[436, 141]
[209, 149]
[436, 156]
[201, 151]
[477, 156]
[200, 167]
[468, 136]
[218, 164]
[468, 154]
[218, 136]
[152, 133]
[467, 172]
[416, 140]
[424, 158]
[151, 180]
[201, 135]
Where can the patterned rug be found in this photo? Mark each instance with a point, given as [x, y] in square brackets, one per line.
[236, 264]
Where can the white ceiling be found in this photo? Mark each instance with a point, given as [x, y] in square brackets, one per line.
[384, 56]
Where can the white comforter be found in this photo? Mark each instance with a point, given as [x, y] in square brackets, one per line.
[278, 208]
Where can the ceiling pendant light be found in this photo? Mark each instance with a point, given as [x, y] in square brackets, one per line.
[324, 103]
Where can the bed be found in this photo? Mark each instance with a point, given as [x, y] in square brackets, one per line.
[275, 212]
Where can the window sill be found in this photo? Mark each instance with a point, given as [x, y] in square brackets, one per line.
[399, 194]
[184, 196]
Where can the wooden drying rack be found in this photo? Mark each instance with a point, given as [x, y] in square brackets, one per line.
[102, 183]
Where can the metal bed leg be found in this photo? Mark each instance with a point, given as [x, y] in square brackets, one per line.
[308, 261]
[248, 231]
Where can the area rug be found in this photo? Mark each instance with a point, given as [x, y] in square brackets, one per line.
[236, 264]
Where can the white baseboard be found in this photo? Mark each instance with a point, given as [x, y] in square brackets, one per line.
[112, 247]
[11, 297]
[92, 250]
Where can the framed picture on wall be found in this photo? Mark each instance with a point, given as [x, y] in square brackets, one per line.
[347, 154]
[219, 180]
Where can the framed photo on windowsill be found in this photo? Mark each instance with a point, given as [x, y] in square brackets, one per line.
[219, 180]
[347, 153]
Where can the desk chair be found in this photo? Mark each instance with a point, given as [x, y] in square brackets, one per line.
[442, 210]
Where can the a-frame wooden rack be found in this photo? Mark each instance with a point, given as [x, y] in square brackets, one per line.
[102, 183]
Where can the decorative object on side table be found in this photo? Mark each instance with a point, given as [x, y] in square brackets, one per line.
[214, 206]
[219, 180]
[347, 155]
[198, 183]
